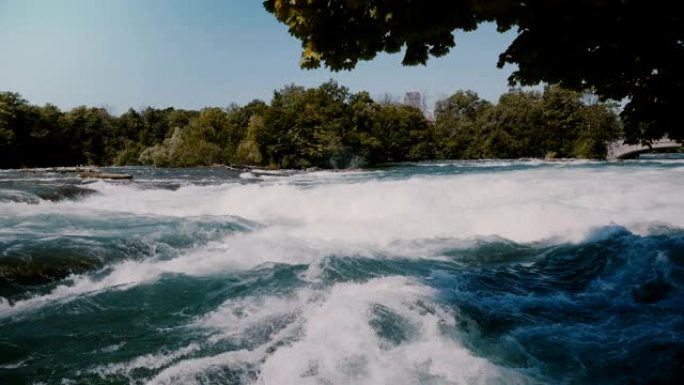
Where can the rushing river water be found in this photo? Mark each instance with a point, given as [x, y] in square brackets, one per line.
[491, 272]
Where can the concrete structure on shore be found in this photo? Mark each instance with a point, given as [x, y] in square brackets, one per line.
[620, 150]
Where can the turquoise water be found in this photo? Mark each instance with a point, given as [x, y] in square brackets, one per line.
[487, 272]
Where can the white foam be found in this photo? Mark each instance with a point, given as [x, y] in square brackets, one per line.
[523, 206]
[123, 276]
[148, 361]
[334, 342]
[410, 218]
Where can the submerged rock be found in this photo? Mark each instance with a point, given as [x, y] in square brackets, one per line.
[652, 291]
[41, 269]
[67, 191]
[104, 175]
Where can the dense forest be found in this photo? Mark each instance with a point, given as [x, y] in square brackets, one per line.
[326, 127]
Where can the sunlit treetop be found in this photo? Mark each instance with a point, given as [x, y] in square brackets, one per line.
[619, 49]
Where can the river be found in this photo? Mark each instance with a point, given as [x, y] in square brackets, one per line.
[459, 272]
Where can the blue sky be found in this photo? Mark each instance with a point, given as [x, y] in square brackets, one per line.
[190, 54]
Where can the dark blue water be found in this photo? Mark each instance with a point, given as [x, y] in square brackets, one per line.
[490, 272]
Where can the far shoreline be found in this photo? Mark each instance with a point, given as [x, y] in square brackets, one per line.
[249, 168]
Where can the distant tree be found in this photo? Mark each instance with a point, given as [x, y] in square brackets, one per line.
[560, 118]
[157, 126]
[398, 129]
[92, 132]
[457, 123]
[12, 111]
[186, 147]
[241, 116]
[598, 124]
[553, 123]
[48, 139]
[249, 149]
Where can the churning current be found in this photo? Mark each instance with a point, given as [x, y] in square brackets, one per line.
[479, 272]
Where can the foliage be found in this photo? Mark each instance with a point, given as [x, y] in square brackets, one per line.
[325, 127]
[529, 124]
[619, 49]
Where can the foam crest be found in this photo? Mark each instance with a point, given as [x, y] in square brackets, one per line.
[523, 206]
[148, 362]
[339, 336]
[123, 276]
[353, 351]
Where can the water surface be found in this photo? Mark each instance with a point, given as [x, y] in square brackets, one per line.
[463, 272]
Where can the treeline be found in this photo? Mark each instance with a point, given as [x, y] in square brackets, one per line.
[326, 127]
[556, 123]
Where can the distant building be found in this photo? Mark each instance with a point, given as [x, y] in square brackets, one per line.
[429, 115]
[413, 99]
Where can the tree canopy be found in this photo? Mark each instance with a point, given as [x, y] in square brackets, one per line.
[630, 50]
[325, 127]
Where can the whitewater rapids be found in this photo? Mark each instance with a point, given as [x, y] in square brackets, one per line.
[507, 272]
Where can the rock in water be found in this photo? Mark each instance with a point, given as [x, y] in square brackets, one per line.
[104, 175]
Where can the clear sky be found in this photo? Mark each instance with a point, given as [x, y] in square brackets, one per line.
[190, 54]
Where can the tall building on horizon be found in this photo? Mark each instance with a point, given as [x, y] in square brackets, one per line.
[413, 99]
